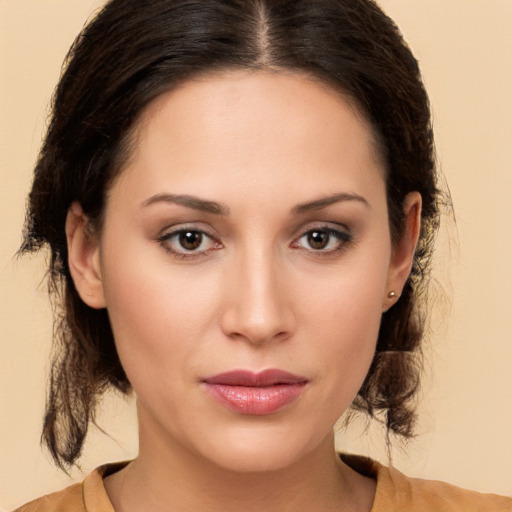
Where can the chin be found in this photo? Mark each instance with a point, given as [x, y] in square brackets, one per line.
[259, 450]
[255, 460]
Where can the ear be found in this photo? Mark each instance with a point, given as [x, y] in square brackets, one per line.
[402, 255]
[84, 257]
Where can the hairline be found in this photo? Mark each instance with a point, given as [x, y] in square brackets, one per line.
[128, 141]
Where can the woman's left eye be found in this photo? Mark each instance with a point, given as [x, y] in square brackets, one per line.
[188, 242]
[325, 239]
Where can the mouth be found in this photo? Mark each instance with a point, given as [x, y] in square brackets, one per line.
[252, 393]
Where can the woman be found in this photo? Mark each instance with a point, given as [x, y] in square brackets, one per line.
[244, 201]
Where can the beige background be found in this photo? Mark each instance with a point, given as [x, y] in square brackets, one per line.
[465, 47]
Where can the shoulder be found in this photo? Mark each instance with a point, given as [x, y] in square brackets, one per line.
[399, 493]
[88, 496]
[69, 500]
[403, 493]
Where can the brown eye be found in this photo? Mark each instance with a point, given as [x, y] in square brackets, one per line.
[323, 240]
[190, 240]
[188, 243]
[318, 239]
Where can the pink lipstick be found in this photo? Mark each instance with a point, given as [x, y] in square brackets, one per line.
[252, 393]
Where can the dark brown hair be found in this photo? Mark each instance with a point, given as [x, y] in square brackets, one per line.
[133, 51]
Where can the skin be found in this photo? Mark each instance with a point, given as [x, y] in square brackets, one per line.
[256, 294]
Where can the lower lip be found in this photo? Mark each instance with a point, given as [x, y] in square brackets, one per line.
[255, 400]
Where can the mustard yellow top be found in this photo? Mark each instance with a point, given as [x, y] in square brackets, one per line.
[395, 493]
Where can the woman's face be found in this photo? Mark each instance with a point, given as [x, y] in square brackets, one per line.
[247, 233]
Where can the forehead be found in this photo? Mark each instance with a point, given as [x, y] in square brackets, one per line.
[265, 128]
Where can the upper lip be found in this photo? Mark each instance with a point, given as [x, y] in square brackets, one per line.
[249, 378]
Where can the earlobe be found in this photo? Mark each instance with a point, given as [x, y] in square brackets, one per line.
[402, 256]
[83, 257]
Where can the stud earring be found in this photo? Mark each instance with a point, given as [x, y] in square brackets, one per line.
[392, 295]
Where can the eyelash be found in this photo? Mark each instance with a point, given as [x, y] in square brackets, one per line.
[342, 237]
[166, 239]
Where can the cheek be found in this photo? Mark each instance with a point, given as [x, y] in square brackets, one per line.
[348, 299]
[348, 329]
[344, 317]
[157, 317]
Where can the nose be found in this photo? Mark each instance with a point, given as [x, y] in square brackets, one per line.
[258, 307]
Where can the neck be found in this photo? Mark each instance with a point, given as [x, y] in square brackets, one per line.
[167, 477]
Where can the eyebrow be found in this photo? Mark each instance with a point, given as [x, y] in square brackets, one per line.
[192, 202]
[215, 208]
[324, 202]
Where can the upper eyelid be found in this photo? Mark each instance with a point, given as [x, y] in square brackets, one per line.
[180, 228]
[327, 229]
[332, 226]
[212, 233]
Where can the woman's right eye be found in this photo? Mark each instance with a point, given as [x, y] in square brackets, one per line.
[188, 242]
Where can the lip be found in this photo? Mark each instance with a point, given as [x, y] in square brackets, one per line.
[251, 393]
